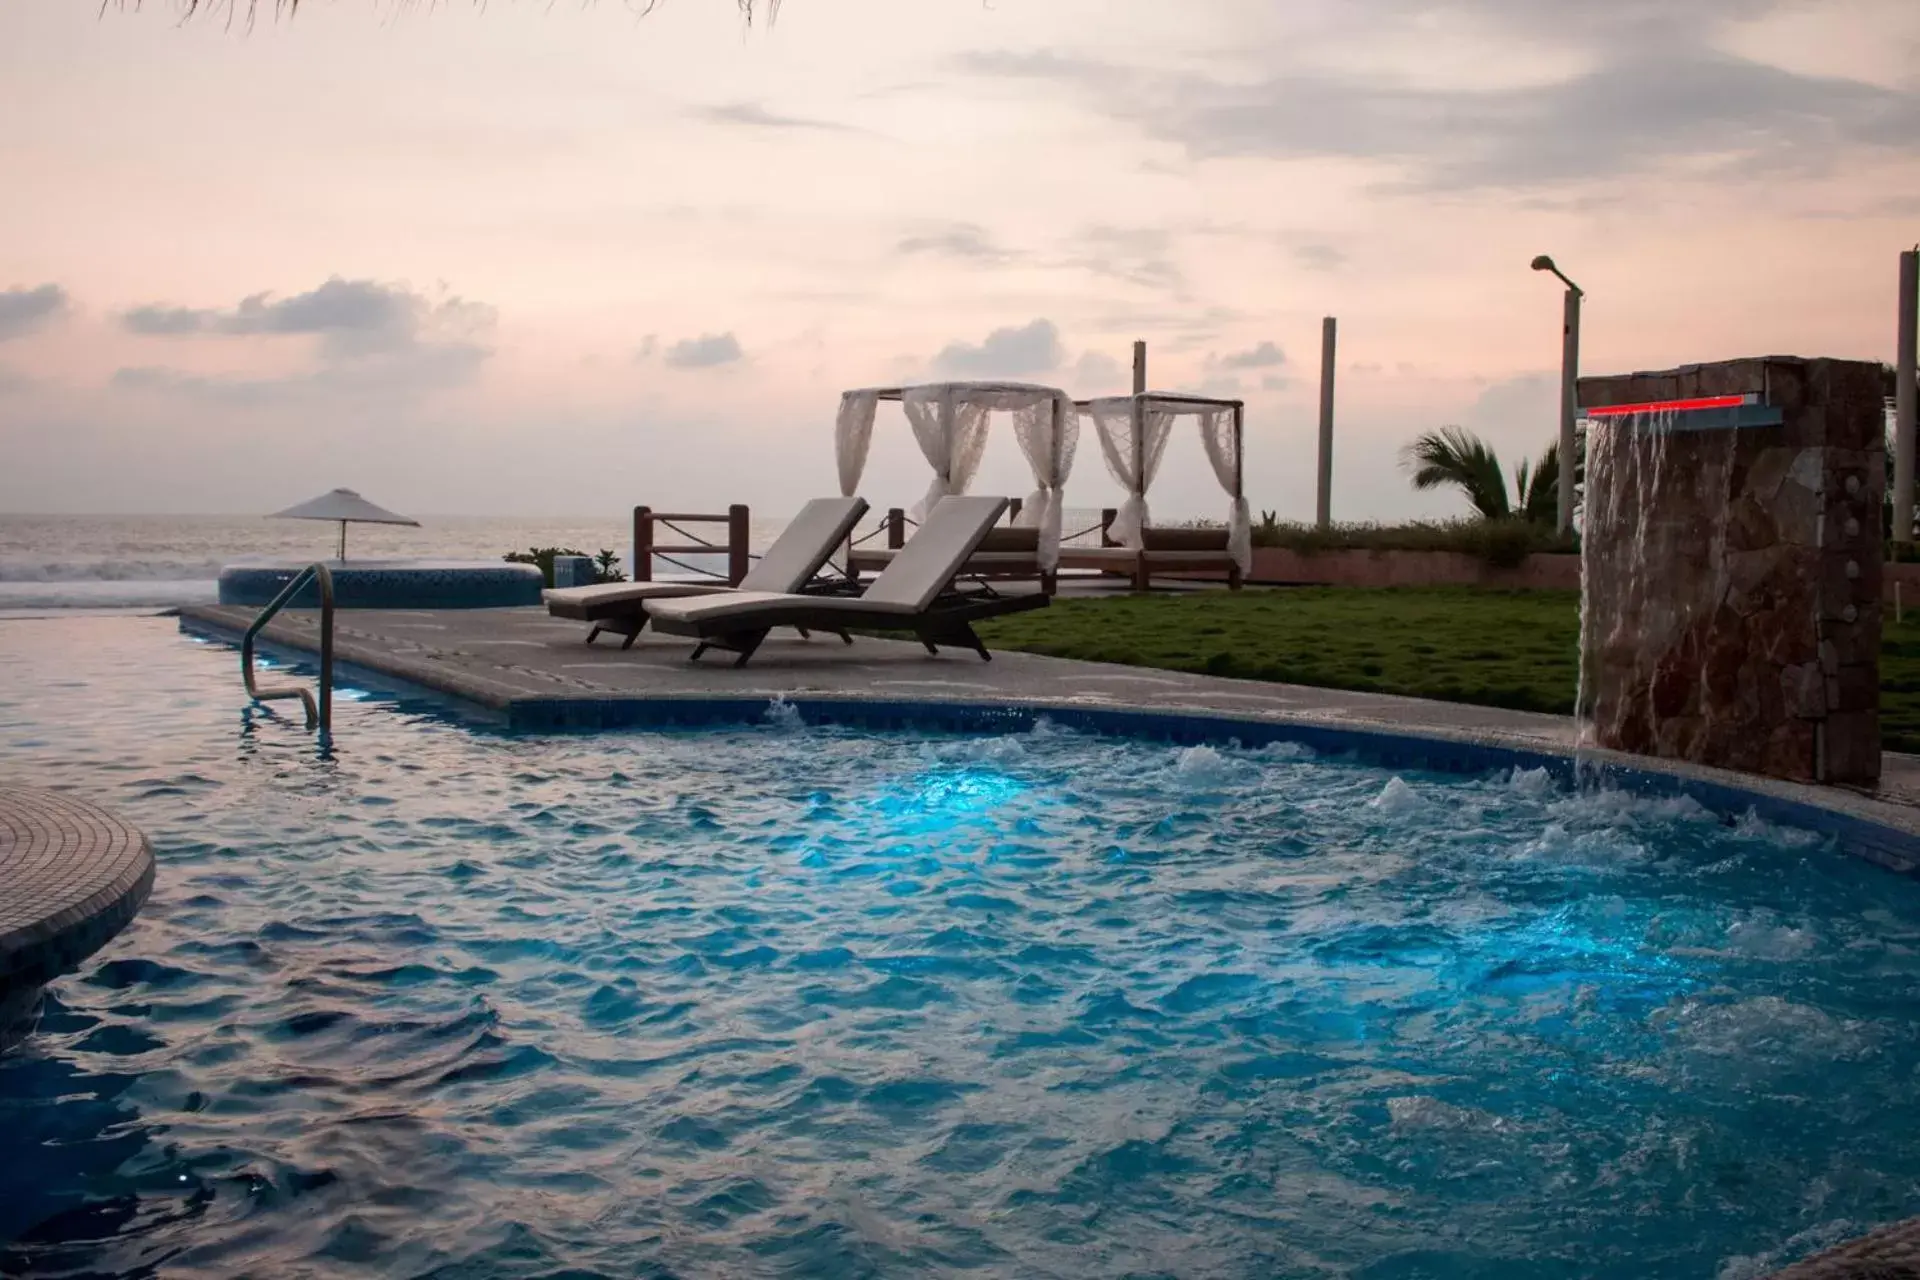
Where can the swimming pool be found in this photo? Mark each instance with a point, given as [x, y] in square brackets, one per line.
[789, 1000]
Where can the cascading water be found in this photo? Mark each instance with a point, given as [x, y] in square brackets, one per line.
[1731, 568]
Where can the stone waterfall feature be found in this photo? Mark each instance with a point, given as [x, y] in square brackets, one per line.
[1731, 578]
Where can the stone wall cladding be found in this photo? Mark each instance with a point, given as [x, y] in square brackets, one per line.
[1734, 577]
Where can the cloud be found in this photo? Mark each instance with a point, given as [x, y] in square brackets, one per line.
[964, 240]
[158, 321]
[1264, 356]
[752, 115]
[704, 352]
[1319, 257]
[374, 339]
[1640, 104]
[1098, 374]
[394, 375]
[351, 317]
[24, 310]
[1524, 407]
[1135, 255]
[1005, 353]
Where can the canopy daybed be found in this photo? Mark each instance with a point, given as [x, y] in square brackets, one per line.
[1133, 433]
[950, 421]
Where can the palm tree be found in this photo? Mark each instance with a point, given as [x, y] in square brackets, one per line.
[1456, 456]
[1539, 487]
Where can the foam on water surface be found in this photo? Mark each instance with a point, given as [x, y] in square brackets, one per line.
[791, 1000]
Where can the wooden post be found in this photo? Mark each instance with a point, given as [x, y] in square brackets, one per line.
[642, 544]
[1323, 507]
[1569, 405]
[1140, 455]
[1906, 414]
[896, 528]
[1234, 576]
[738, 559]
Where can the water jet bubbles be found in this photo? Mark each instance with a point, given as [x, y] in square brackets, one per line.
[1203, 768]
[1398, 800]
[1535, 784]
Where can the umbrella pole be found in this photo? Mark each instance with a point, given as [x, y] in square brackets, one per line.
[343, 542]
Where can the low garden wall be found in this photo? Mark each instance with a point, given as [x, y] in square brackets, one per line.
[1282, 566]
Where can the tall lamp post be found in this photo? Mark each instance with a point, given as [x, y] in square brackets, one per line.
[1569, 377]
[1906, 413]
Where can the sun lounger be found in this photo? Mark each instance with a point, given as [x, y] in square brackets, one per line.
[793, 560]
[1167, 552]
[1005, 554]
[913, 594]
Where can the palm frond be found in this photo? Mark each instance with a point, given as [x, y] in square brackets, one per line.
[1540, 492]
[1455, 456]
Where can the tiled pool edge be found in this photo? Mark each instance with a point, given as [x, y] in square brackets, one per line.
[1885, 834]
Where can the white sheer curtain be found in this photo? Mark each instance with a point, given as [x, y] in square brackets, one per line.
[1114, 419]
[1048, 429]
[1223, 452]
[952, 434]
[852, 434]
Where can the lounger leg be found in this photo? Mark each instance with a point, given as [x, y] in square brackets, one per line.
[747, 645]
[697, 651]
[593, 633]
[631, 637]
[927, 640]
[844, 636]
[972, 637]
[803, 633]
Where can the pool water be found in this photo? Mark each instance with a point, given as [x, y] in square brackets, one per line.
[798, 1001]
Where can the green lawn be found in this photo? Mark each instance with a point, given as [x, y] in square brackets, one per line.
[1514, 649]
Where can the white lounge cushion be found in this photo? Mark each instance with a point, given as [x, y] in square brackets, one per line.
[808, 541]
[732, 604]
[924, 568]
[609, 593]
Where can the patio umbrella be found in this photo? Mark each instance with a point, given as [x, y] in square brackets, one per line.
[343, 505]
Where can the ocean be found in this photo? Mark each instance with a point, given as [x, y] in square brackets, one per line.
[157, 562]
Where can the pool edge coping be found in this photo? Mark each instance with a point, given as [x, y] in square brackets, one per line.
[1879, 831]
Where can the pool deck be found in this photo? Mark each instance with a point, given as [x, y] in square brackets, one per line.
[71, 876]
[529, 670]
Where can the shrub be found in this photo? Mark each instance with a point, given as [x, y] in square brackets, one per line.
[1502, 542]
[606, 565]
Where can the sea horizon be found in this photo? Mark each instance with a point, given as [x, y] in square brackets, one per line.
[117, 561]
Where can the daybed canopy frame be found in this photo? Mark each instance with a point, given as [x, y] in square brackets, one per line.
[950, 421]
[1133, 434]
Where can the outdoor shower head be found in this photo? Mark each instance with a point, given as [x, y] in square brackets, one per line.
[1544, 263]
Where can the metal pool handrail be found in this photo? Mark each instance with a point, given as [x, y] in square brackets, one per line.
[321, 713]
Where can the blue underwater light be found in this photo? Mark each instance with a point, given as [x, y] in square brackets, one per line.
[973, 790]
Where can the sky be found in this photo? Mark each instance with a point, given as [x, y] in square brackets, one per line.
[561, 258]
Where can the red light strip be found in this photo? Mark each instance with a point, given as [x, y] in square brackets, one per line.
[1671, 406]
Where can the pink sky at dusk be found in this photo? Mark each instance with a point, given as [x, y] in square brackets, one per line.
[581, 259]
